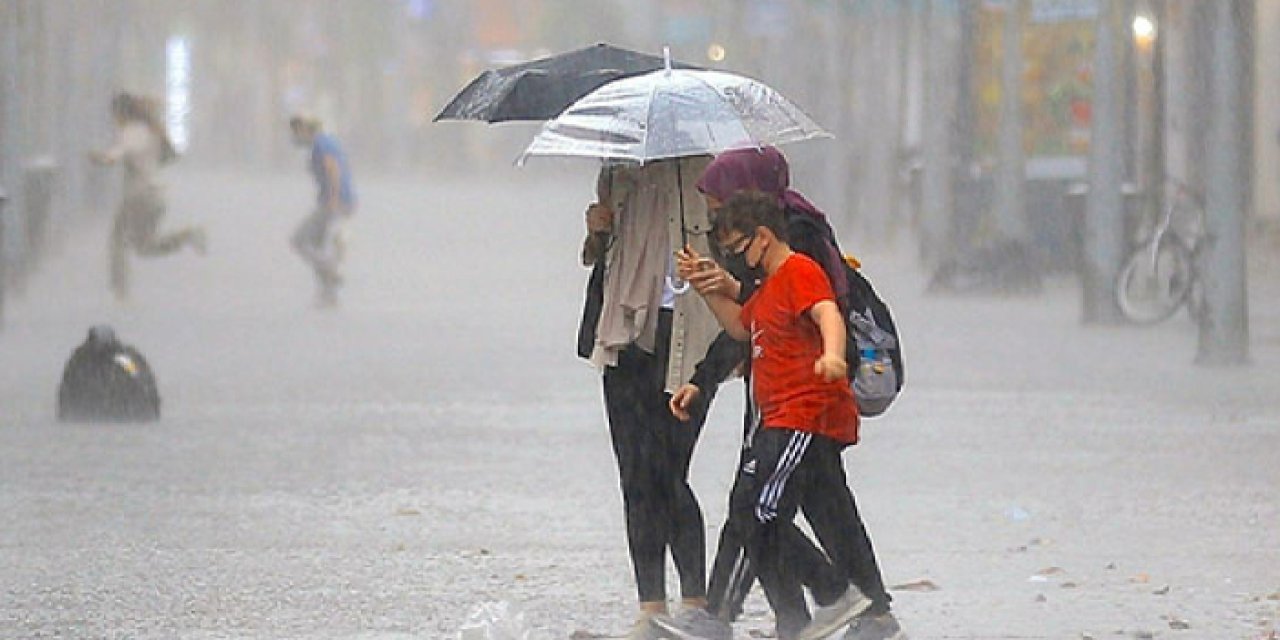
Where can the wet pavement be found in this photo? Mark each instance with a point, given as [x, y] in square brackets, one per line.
[378, 470]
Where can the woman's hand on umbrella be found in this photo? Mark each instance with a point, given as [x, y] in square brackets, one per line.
[599, 218]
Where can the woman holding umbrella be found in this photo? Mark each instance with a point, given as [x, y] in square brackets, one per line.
[638, 332]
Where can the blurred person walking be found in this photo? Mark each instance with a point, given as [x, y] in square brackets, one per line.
[638, 331]
[142, 146]
[319, 239]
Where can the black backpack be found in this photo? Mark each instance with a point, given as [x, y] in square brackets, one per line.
[873, 350]
[873, 344]
[106, 380]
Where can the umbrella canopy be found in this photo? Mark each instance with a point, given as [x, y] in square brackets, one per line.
[673, 113]
[541, 89]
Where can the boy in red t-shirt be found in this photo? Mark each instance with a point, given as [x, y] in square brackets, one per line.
[799, 381]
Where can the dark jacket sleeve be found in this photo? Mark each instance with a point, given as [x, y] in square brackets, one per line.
[723, 356]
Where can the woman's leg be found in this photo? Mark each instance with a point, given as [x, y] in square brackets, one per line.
[635, 447]
[833, 514]
[731, 572]
[688, 531]
[144, 227]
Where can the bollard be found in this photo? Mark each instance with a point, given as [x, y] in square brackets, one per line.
[38, 180]
[4, 197]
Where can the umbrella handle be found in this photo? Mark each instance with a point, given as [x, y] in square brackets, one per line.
[680, 287]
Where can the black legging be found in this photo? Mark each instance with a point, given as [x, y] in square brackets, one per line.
[653, 449]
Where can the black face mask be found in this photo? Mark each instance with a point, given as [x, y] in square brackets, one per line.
[736, 264]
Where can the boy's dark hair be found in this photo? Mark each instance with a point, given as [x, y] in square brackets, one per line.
[747, 210]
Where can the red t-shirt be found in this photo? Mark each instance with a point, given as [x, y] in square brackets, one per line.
[785, 343]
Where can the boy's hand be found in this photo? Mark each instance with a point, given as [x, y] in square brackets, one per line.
[688, 262]
[830, 367]
[711, 279]
[707, 277]
[599, 218]
[682, 399]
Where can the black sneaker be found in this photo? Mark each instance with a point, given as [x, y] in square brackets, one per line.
[881, 627]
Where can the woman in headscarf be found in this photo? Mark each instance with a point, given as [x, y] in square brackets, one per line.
[766, 170]
[142, 146]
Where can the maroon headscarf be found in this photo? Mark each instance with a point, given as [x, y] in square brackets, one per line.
[765, 169]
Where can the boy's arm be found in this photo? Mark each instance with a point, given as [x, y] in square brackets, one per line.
[831, 364]
[728, 312]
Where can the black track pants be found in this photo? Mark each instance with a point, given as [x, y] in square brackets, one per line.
[732, 574]
[786, 471]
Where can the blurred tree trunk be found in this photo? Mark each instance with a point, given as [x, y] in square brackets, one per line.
[1010, 196]
[834, 106]
[1104, 229]
[908, 43]
[880, 120]
[1224, 328]
[942, 62]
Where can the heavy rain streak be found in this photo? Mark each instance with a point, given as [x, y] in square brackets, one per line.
[570, 319]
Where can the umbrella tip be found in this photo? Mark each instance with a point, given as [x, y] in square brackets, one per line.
[666, 58]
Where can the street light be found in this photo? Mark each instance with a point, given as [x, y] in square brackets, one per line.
[178, 91]
[1144, 31]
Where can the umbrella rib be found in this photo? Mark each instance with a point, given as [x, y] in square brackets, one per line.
[725, 100]
[648, 116]
[715, 91]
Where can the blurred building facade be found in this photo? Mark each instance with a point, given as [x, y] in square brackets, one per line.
[910, 88]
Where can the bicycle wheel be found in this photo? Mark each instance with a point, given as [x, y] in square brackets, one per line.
[1150, 290]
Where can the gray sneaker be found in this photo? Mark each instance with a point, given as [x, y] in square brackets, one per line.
[644, 629]
[829, 619]
[881, 627]
[694, 624]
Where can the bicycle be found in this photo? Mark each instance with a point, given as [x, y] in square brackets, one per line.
[1163, 271]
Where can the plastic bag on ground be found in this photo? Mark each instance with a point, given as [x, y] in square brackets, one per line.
[494, 621]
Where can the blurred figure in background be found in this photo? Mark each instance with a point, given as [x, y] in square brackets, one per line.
[142, 146]
[319, 238]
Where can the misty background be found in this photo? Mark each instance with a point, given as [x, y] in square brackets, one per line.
[928, 154]
[377, 471]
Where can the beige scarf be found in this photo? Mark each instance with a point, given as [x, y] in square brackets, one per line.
[636, 267]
